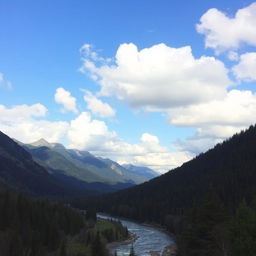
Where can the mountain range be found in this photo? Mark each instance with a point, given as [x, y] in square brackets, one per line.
[18, 171]
[83, 165]
[45, 168]
[208, 202]
[141, 170]
[227, 170]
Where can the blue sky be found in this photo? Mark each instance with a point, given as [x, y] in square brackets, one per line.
[133, 83]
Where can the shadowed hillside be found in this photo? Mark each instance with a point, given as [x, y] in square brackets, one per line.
[198, 198]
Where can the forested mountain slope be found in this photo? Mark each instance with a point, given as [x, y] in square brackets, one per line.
[229, 170]
[81, 165]
[199, 201]
[42, 228]
[18, 171]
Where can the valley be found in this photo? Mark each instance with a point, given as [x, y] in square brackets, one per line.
[127, 128]
[205, 202]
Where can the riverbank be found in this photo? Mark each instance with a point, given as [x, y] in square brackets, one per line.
[152, 225]
[170, 250]
[131, 239]
[167, 250]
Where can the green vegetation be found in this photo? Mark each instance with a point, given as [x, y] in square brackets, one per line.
[132, 252]
[42, 228]
[80, 165]
[208, 202]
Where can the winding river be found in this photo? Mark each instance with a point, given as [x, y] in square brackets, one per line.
[149, 239]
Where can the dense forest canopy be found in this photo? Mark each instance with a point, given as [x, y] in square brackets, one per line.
[225, 176]
[41, 228]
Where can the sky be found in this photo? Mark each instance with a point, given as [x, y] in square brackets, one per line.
[151, 83]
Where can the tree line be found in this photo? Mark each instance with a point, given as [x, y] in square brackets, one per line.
[205, 202]
[34, 227]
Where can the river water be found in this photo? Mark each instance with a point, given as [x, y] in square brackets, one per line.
[149, 239]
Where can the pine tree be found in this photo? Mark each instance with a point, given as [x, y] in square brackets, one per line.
[243, 232]
[98, 248]
[132, 252]
[63, 249]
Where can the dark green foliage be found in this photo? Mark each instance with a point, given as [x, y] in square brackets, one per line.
[98, 247]
[132, 252]
[63, 249]
[115, 233]
[243, 231]
[227, 170]
[35, 226]
[18, 171]
[91, 215]
[204, 233]
[178, 200]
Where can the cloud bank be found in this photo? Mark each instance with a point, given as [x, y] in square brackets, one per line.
[224, 33]
[159, 76]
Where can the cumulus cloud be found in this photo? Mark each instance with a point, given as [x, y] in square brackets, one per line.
[148, 152]
[159, 76]
[172, 80]
[65, 98]
[216, 120]
[224, 33]
[237, 109]
[245, 70]
[162, 162]
[87, 133]
[98, 107]
[28, 124]
[23, 123]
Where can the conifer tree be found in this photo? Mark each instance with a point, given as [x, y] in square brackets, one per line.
[63, 249]
[132, 252]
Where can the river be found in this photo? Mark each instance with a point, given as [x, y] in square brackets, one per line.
[149, 239]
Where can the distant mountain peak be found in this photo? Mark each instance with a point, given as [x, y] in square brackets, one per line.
[141, 170]
[44, 143]
[57, 146]
[41, 143]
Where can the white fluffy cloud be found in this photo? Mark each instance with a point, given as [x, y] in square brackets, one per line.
[245, 70]
[23, 123]
[224, 33]
[194, 92]
[162, 162]
[215, 120]
[238, 108]
[65, 98]
[28, 124]
[159, 76]
[98, 107]
[148, 152]
[21, 112]
[87, 133]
